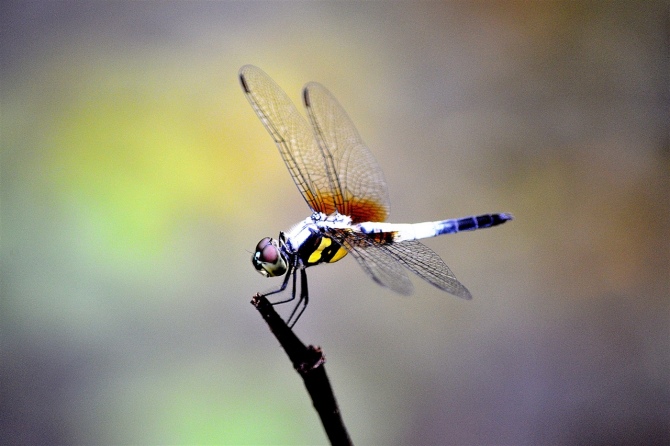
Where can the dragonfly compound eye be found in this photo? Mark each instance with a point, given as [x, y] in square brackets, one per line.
[268, 259]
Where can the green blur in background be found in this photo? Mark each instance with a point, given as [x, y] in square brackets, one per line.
[136, 179]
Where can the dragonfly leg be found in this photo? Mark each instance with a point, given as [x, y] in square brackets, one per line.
[304, 299]
[304, 295]
[291, 273]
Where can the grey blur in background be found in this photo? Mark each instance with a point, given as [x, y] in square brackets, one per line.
[135, 179]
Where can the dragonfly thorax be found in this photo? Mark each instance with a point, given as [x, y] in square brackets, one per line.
[320, 248]
[308, 239]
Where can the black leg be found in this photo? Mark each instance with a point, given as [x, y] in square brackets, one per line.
[304, 293]
[304, 299]
[290, 273]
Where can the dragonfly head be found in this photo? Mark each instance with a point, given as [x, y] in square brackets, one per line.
[268, 258]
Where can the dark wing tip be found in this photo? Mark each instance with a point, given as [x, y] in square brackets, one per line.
[245, 72]
[307, 91]
[243, 81]
[245, 87]
[305, 97]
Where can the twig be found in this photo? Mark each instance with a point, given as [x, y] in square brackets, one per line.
[309, 363]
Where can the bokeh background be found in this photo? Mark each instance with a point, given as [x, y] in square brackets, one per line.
[136, 179]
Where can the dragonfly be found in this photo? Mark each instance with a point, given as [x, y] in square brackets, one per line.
[345, 189]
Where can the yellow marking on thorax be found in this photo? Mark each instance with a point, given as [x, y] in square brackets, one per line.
[326, 252]
[341, 252]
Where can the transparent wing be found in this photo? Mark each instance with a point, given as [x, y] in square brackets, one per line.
[425, 263]
[375, 260]
[293, 135]
[383, 261]
[357, 180]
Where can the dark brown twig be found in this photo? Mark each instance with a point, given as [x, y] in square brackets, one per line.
[309, 363]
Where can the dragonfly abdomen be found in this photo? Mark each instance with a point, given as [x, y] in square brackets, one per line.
[471, 223]
[398, 232]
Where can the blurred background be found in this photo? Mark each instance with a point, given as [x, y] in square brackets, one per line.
[136, 180]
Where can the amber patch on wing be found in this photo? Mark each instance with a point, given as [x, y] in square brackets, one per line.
[359, 209]
[366, 210]
[383, 238]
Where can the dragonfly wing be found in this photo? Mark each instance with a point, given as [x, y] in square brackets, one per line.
[356, 178]
[383, 261]
[293, 136]
[375, 260]
[425, 263]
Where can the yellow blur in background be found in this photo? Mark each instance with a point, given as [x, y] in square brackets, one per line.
[136, 179]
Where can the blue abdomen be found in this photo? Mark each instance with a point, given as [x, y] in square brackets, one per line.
[472, 223]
